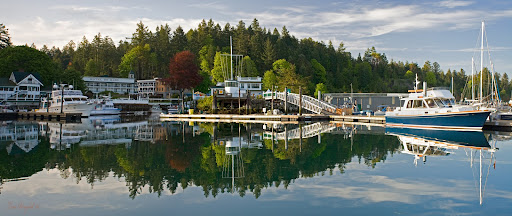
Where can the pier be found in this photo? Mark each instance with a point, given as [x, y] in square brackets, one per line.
[277, 118]
[49, 116]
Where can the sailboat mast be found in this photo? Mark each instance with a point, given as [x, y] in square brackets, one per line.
[231, 55]
[472, 78]
[482, 62]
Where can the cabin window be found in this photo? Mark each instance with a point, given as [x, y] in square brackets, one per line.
[438, 102]
[431, 103]
[417, 103]
[409, 104]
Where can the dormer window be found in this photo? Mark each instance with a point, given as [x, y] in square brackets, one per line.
[30, 79]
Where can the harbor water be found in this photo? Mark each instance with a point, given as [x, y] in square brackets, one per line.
[111, 166]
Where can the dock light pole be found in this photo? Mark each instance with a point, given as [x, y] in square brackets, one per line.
[286, 100]
[272, 101]
[62, 98]
[300, 104]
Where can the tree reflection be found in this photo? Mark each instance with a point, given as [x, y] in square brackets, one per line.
[166, 162]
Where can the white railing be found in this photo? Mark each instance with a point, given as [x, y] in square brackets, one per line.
[309, 103]
[308, 131]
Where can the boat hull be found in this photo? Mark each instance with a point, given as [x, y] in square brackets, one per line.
[84, 109]
[105, 112]
[460, 138]
[468, 120]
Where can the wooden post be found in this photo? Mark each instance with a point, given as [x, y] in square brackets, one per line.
[300, 101]
[319, 99]
[214, 102]
[247, 101]
[272, 102]
[286, 100]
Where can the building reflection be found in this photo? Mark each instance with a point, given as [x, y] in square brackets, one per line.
[19, 137]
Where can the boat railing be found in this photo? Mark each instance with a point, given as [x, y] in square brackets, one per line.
[438, 88]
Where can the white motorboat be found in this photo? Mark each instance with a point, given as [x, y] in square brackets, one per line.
[105, 106]
[67, 100]
[435, 108]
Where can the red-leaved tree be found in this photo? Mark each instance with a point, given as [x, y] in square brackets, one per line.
[184, 71]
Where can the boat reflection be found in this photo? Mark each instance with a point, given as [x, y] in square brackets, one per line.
[107, 130]
[422, 143]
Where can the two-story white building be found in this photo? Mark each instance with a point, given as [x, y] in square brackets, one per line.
[112, 84]
[250, 84]
[146, 88]
[21, 88]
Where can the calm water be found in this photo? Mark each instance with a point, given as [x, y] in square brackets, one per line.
[109, 167]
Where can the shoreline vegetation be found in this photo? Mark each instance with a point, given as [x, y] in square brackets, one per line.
[279, 57]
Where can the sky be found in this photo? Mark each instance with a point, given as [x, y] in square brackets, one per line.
[445, 31]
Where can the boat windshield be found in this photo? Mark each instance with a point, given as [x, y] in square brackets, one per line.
[440, 103]
[448, 102]
[431, 103]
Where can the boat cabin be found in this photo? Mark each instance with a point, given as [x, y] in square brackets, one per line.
[438, 97]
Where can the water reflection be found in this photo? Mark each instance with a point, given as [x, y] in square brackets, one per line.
[168, 155]
[422, 143]
[239, 158]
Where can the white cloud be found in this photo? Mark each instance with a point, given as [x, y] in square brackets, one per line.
[455, 3]
[58, 33]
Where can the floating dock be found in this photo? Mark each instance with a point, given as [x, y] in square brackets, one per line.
[233, 117]
[49, 116]
[277, 118]
[498, 125]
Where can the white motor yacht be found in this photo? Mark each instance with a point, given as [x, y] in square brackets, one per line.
[67, 100]
[105, 106]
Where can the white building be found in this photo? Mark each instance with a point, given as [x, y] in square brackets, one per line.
[251, 84]
[116, 85]
[146, 88]
[20, 88]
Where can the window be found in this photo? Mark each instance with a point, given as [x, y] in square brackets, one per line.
[418, 104]
[409, 104]
[431, 103]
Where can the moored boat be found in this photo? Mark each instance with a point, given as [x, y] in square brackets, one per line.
[105, 106]
[67, 100]
[435, 108]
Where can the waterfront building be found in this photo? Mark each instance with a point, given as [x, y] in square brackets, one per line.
[250, 84]
[21, 88]
[146, 88]
[365, 101]
[112, 84]
[246, 84]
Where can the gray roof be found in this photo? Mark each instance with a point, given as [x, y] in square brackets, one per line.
[18, 76]
[6, 82]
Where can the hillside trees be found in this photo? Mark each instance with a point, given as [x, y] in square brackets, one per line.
[148, 54]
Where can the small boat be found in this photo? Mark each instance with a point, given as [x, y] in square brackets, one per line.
[435, 108]
[381, 110]
[67, 100]
[105, 106]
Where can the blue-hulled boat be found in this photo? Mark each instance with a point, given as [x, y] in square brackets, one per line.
[435, 108]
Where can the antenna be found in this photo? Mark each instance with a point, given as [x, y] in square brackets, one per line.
[482, 62]
[231, 55]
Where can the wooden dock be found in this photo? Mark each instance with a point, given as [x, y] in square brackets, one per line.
[358, 118]
[255, 117]
[48, 116]
[498, 125]
[275, 118]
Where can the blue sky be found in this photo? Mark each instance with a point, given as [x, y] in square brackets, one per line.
[445, 31]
